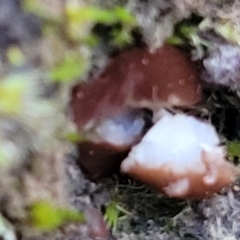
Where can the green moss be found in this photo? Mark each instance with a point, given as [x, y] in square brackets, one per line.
[113, 212]
[79, 17]
[98, 15]
[12, 90]
[229, 31]
[121, 37]
[72, 28]
[187, 32]
[233, 149]
[68, 69]
[74, 137]
[45, 216]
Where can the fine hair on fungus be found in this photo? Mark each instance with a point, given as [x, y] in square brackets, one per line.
[181, 156]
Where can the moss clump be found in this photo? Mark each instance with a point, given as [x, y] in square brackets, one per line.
[45, 216]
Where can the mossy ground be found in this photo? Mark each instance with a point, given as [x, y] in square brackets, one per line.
[48, 45]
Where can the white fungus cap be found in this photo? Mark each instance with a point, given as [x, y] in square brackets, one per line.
[181, 156]
[121, 131]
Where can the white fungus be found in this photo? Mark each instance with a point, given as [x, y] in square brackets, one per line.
[181, 156]
[121, 131]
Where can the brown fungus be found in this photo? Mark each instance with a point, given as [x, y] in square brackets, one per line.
[134, 79]
[138, 78]
[100, 160]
